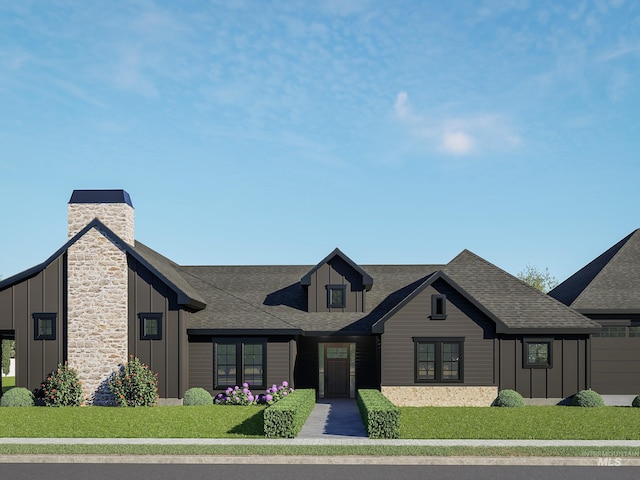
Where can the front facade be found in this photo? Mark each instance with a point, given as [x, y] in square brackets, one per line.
[449, 334]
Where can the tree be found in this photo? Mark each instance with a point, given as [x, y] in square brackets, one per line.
[538, 279]
[8, 348]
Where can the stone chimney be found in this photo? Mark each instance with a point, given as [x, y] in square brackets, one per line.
[97, 279]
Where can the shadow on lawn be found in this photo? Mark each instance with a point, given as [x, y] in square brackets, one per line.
[252, 426]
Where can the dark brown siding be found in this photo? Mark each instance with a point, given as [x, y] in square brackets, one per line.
[567, 375]
[42, 293]
[202, 362]
[336, 272]
[413, 320]
[147, 294]
[306, 368]
[615, 365]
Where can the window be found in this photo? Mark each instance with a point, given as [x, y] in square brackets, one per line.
[439, 360]
[44, 327]
[438, 307]
[634, 331]
[239, 362]
[336, 296]
[537, 354]
[612, 331]
[150, 326]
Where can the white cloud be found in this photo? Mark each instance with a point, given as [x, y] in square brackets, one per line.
[456, 135]
[457, 143]
[401, 107]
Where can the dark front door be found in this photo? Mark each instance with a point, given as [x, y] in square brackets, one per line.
[336, 367]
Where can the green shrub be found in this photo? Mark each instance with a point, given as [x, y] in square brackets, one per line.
[197, 396]
[636, 402]
[508, 398]
[285, 418]
[17, 397]
[134, 385]
[380, 416]
[62, 388]
[587, 398]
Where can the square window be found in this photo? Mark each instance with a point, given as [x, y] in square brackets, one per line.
[44, 326]
[438, 307]
[336, 296]
[150, 326]
[634, 331]
[438, 360]
[238, 362]
[537, 354]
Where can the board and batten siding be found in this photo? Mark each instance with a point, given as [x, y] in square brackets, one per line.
[336, 272]
[42, 293]
[463, 321]
[568, 374]
[167, 356]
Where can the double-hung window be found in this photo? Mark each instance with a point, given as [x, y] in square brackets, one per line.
[439, 360]
[240, 361]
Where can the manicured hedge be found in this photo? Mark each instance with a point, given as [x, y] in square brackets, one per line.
[587, 398]
[285, 418]
[508, 398]
[380, 416]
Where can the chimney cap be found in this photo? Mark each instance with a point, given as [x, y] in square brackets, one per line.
[100, 196]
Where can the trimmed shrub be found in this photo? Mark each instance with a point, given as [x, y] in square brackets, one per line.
[508, 398]
[197, 396]
[62, 388]
[587, 398]
[285, 418]
[134, 385]
[17, 397]
[380, 416]
[636, 402]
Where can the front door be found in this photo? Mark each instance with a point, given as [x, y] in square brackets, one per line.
[336, 368]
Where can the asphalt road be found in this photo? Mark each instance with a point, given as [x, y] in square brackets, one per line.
[310, 472]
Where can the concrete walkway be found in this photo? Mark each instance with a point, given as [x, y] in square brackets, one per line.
[334, 419]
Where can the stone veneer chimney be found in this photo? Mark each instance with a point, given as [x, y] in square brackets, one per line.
[97, 299]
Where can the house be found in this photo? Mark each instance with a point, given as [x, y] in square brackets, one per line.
[607, 290]
[446, 334]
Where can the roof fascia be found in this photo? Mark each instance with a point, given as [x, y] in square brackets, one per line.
[30, 272]
[367, 280]
[183, 298]
[608, 311]
[550, 331]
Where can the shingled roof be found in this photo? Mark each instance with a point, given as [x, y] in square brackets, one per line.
[610, 283]
[517, 306]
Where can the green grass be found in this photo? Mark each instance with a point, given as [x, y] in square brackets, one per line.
[541, 423]
[318, 450]
[211, 421]
[7, 383]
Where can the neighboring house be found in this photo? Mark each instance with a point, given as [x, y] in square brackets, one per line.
[607, 290]
[451, 334]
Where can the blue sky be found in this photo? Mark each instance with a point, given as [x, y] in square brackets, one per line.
[270, 132]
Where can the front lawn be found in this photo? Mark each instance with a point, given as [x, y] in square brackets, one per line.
[540, 423]
[212, 421]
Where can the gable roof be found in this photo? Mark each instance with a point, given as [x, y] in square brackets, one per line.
[160, 266]
[252, 299]
[609, 283]
[367, 280]
[518, 307]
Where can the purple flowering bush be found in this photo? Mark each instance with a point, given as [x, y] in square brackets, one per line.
[243, 395]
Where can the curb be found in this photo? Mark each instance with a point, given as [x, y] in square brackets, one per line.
[321, 460]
